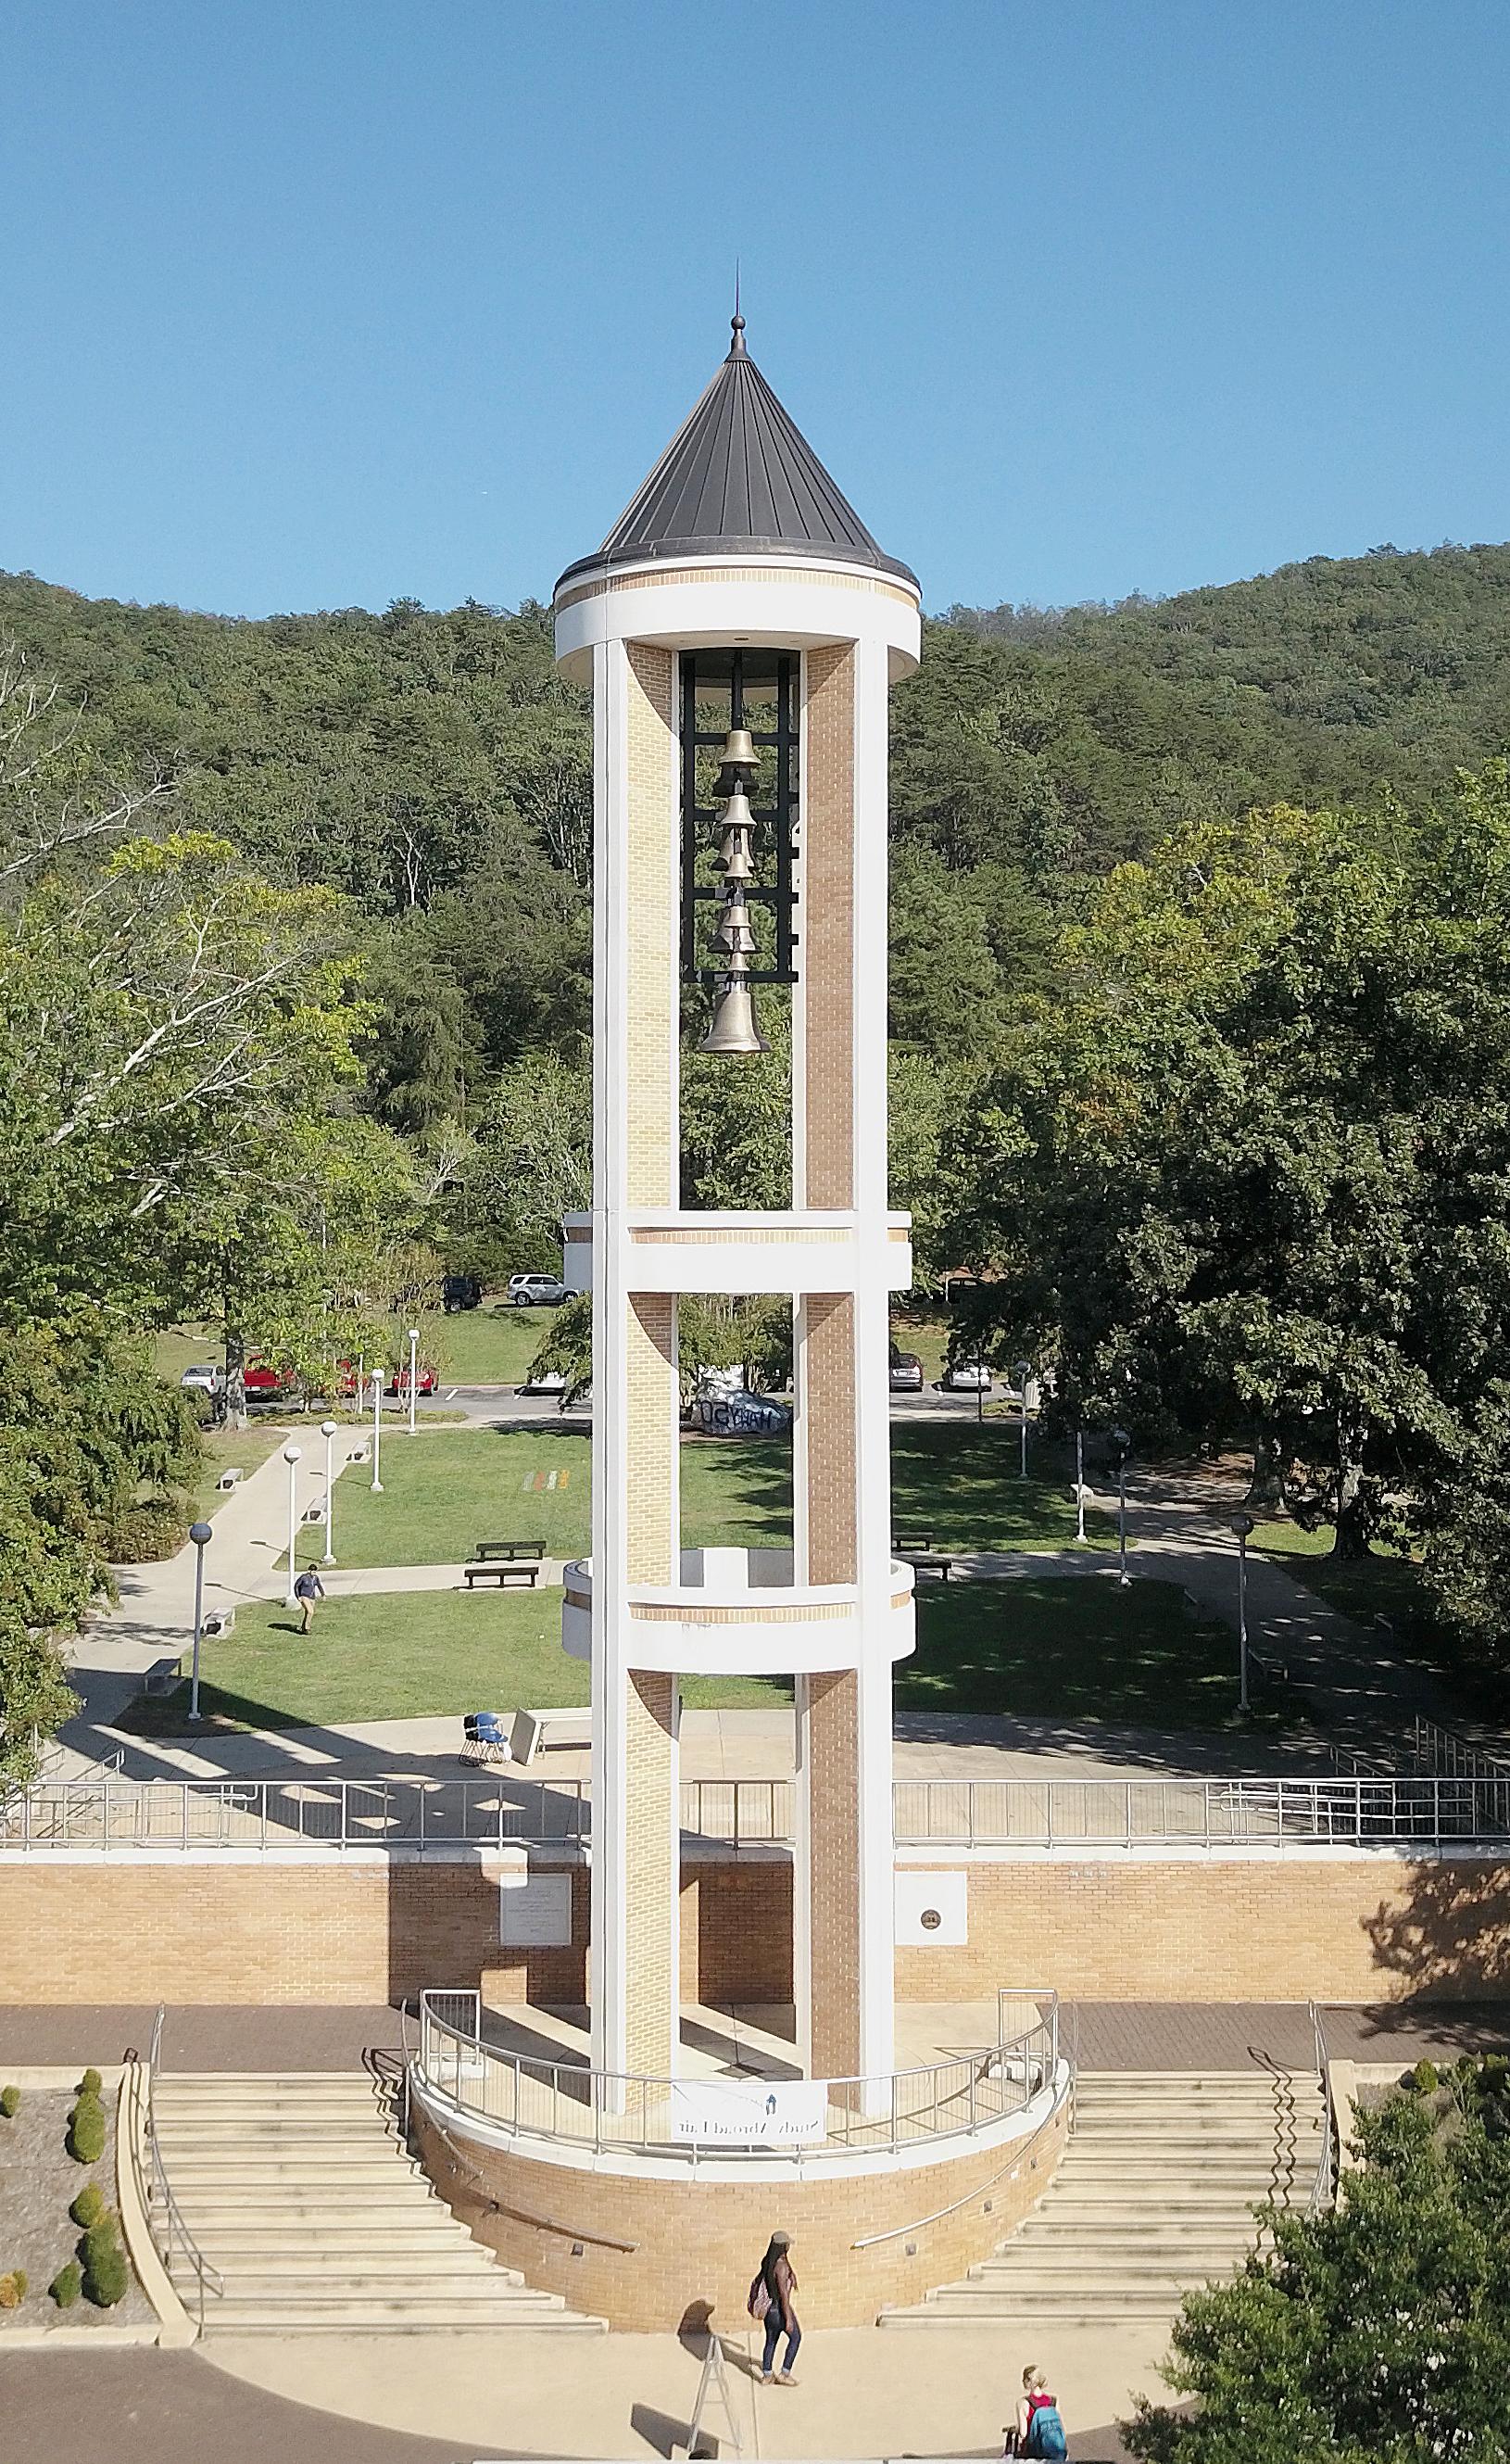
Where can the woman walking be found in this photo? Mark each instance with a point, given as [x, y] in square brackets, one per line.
[776, 2281]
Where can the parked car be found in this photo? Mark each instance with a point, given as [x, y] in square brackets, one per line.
[907, 1373]
[203, 1378]
[429, 1377]
[545, 1382]
[536, 1291]
[461, 1293]
[965, 1378]
[262, 1383]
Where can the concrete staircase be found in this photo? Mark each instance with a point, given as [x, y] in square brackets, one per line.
[297, 2188]
[1154, 2194]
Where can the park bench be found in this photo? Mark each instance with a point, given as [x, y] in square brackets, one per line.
[532, 1729]
[231, 1477]
[218, 1621]
[163, 1676]
[505, 1561]
[314, 1513]
[911, 1544]
[928, 1561]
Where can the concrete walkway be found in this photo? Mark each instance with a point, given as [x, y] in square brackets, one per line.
[155, 1618]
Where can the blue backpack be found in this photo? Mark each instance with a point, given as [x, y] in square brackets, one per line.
[1046, 2433]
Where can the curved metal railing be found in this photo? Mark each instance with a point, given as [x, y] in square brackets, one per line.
[164, 2220]
[567, 2101]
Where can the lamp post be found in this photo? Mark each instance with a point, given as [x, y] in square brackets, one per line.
[327, 1430]
[1079, 1483]
[1122, 1441]
[1022, 1370]
[201, 1534]
[414, 1337]
[1242, 1526]
[291, 1455]
[376, 1432]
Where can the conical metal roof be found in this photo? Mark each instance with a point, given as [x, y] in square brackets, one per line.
[738, 476]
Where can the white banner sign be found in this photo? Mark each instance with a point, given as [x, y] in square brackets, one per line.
[749, 2113]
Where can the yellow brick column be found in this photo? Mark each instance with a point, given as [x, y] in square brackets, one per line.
[636, 1839]
[652, 1838]
[828, 1704]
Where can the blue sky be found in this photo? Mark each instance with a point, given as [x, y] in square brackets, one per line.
[320, 304]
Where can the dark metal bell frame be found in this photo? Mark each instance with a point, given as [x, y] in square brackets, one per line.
[703, 824]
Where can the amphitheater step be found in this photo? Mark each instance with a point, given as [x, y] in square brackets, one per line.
[1154, 2193]
[301, 2196]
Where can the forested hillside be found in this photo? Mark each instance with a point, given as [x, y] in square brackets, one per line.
[433, 768]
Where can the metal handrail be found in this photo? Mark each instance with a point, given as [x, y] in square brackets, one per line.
[160, 2191]
[1324, 2188]
[1447, 1754]
[426, 1816]
[569, 2102]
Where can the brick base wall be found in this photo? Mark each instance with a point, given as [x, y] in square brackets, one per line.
[694, 2245]
[1357, 1928]
[217, 1929]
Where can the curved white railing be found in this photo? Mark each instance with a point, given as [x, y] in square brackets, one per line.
[577, 2107]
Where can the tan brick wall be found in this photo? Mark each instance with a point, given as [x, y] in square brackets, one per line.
[1354, 1929]
[828, 840]
[828, 1409]
[651, 1437]
[653, 982]
[1351, 1929]
[833, 1734]
[651, 1873]
[695, 2243]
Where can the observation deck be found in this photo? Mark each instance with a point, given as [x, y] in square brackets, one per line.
[738, 1612]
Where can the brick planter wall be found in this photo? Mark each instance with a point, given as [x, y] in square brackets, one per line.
[698, 2241]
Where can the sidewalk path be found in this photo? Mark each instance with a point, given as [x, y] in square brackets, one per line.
[155, 1618]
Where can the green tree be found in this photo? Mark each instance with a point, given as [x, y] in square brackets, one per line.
[1376, 2334]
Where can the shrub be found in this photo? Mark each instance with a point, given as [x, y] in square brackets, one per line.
[67, 2285]
[86, 2131]
[13, 2289]
[106, 2278]
[89, 2205]
[10, 2101]
[1425, 2078]
[144, 1533]
[90, 2084]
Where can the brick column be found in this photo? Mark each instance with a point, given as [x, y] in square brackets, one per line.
[652, 1838]
[635, 1833]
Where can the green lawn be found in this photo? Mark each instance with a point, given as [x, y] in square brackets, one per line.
[1382, 1584]
[492, 1347]
[444, 1494]
[961, 1481]
[402, 1655]
[1074, 1648]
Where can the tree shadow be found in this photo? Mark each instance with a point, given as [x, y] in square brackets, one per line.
[1450, 1940]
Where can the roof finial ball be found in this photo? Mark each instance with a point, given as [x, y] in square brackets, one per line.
[736, 348]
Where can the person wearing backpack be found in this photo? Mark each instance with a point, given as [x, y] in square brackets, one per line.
[770, 2305]
[1037, 2429]
[1046, 2429]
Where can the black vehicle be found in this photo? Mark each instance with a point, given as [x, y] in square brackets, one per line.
[461, 1293]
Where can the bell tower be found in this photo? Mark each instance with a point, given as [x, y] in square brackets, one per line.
[740, 630]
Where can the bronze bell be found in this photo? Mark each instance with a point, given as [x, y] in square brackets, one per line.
[739, 747]
[738, 824]
[733, 1028]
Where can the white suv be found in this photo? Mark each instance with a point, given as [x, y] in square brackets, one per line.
[529, 1291]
